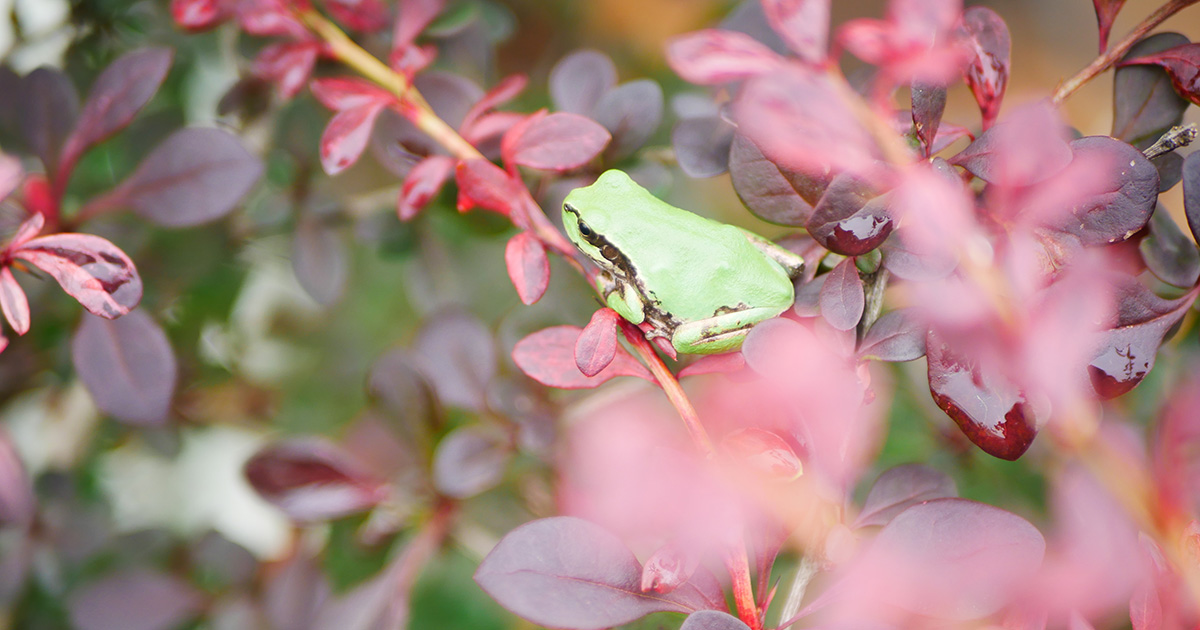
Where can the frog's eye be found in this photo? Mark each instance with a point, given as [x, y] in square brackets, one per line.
[585, 231]
[609, 252]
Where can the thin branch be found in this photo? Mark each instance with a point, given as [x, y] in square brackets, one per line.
[1176, 138]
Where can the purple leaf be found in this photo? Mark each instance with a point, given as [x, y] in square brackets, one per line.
[1182, 64]
[134, 599]
[13, 302]
[928, 103]
[90, 269]
[803, 24]
[548, 357]
[714, 56]
[900, 488]
[842, 298]
[1191, 194]
[897, 336]
[1125, 193]
[1106, 13]
[319, 260]
[17, 505]
[292, 595]
[396, 382]
[849, 219]
[986, 36]
[1145, 104]
[702, 145]
[578, 81]
[568, 573]
[557, 142]
[1168, 254]
[528, 267]
[630, 112]
[712, 620]
[47, 111]
[311, 479]
[1127, 350]
[457, 354]
[770, 192]
[127, 365]
[1028, 147]
[987, 407]
[956, 559]
[192, 177]
[469, 461]
[118, 94]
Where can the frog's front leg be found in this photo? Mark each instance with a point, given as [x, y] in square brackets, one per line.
[622, 297]
[791, 262]
[721, 333]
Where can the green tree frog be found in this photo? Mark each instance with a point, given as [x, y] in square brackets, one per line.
[700, 284]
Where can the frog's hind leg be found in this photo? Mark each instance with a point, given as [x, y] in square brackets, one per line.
[721, 333]
[791, 262]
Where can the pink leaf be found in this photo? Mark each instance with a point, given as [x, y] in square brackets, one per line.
[548, 357]
[313, 480]
[803, 24]
[287, 65]
[413, 17]
[1106, 14]
[17, 503]
[1145, 608]
[127, 365]
[669, 568]
[842, 298]
[422, 184]
[486, 185]
[28, 229]
[13, 302]
[359, 15]
[90, 269]
[557, 142]
[11, 174]
[346, 136]
[340, 93]
[271, 18]
[528, 267]
[714, 364]
[713, 57]
[763, 453]
[197, 15]
[118, 94]
[986, 37]
[597, 344]
[504, 91]
[134, 599]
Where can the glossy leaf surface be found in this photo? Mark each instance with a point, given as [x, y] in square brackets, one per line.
[849, 219]
[1128, 350]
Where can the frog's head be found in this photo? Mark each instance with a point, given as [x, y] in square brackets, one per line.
[590, 214]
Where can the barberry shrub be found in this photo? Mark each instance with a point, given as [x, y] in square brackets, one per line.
[982, 410]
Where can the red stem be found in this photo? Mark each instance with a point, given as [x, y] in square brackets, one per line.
[738, 564]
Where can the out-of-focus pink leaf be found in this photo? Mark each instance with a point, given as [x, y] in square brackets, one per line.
[986, 36]
[412, 18]
[339, 93]
[548, 357]
[127, 365]
[1182, 63]
[714, 364]
[470, 460]
[192, 177]
[16, 492]
[1177, 439]
[134, 599]
[702, 145]
[597, 344]
[900, 488]
[1030, 146]
[287, 65]
[800, 121]
[528, 267]
[581, 578]
[712, 620]
[346, 136]
[670, 567]
[271, 18]
[47, 111]
[457, 355]
[579, 80]
[118, 94]
[849, 219]
[488, 186]
[1106, 13]
[197, 15]
[319, 261]
[311, 479]
[1127, 350]
[90, 269]
[507, 89]
[557, 142]
[360, 15]
[1145, 609]
[764, 453]
[842, 297]
[422, 184]
[11, 174]
[713, 57]
[1145, 104]
[803, 24]
[13, 302]
[897, 336]
[989, 409]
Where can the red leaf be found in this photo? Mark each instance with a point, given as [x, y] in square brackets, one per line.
[359, 15]
[558, 142]
[986, 37]
[422, 184]
[340, 93]
[313, 480]
[118, 94]
[504, 91]
[842, 297]
[13, 302]
[346, 136]
[90, 269]
[28, 229]
[597, 344]
[197, 15]
[714, 364]
[486, 185]
[271, 18]
[528, 267]
[1106, 13]
[127, 365]
[713, 57]
[548, 357]
[287, 65]
[764, 453]
[413, 17]
[803, 24]
[489, 129]
[1126, 353]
